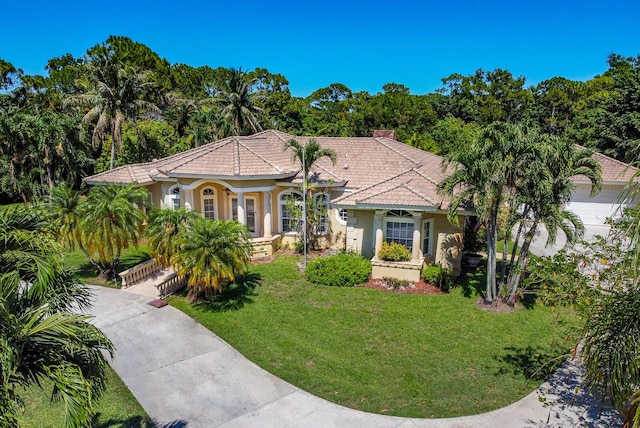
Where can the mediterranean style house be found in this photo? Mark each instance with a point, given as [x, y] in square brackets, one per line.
[378, 190]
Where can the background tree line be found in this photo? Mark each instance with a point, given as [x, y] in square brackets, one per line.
[121, 103]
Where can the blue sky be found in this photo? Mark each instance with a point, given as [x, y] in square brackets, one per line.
[362, 44]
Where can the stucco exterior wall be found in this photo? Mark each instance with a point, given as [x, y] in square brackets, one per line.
[360, 233]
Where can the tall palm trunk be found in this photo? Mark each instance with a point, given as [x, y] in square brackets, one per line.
[492, 239]
[516, 274]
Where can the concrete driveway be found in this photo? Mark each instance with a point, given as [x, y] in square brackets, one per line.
[185, 376]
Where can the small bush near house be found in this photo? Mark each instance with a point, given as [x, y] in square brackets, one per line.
[394, 252]
[434, 274]
[344, 269]
[396, 283]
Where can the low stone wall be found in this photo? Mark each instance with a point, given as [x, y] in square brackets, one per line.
[409, 271]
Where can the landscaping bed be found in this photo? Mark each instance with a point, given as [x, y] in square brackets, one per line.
[418, 287]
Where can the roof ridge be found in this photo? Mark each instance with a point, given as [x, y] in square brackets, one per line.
[423, 175]
[379, 140]
[268, 162]
[217, 144]
[236, 157]
[329, 172]
[131, 174]
[379, 182]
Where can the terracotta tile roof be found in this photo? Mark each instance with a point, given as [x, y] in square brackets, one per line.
[613, 171]
[391, 172]
[409, 189]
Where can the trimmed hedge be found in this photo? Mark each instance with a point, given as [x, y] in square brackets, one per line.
[342, 270]
[394, 252]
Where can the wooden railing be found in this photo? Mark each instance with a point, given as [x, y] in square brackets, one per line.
[173, 283]
[139, 272]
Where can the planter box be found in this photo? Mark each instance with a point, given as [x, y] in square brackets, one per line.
[409, 271]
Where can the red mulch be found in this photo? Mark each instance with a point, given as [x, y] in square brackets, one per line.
[419, 287]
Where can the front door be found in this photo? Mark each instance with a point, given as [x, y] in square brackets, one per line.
[249, 212]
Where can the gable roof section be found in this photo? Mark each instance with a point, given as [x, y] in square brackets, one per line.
[407, 189]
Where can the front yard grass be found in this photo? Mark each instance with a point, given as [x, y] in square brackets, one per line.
[117, 408]
[397, 354]
[88, 274]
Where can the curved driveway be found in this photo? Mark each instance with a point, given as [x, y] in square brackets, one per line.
[185, 376]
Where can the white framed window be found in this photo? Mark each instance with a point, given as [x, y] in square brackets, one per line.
[174, 198]
[288, 222]
[322, 202]
[427, 237]
[398, 227]
[209, 203]
[343, 215]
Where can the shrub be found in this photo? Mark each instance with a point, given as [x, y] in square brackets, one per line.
[345, 269]
[394, 252]
[396, 283]
[434, 274]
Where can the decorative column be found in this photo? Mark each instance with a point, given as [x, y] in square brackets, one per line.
[267, 215]
[188, 199]
[242, 219]
[377, 226]
[417, 237]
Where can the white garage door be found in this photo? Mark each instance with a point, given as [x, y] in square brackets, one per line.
[596, 210]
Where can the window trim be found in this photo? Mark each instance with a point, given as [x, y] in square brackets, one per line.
[213, 197]
[339, 217]
[406, 219]
[324, 223]
[427, 251]
[281, 203]
[174, 194]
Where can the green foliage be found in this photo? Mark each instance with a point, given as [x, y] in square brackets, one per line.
[212, 254]
[396, 283]
[385, 352]
[164, 229]
[42, 334]
[435, 274]
[394, 252]
[341, 270]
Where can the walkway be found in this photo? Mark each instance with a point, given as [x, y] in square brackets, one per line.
[185, 376]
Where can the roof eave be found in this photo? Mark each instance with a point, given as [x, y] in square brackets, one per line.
[231, 177]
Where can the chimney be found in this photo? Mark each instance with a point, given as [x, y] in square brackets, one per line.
[384, 133]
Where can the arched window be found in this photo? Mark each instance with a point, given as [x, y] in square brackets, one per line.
[322, 206]
[289, 220]
[209, 203]
[399, 227]
[174, 198]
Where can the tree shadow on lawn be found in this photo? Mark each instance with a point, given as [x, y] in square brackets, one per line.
[234, 296]
[535, 363]
[135, 422]
[474, 283]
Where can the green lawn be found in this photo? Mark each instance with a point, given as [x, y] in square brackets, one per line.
[77, 261]
[409, 355]
[117, 408]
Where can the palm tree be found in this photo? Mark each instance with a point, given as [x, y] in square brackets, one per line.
[113, 94]
[110, 222]
[41, 335]
[485, 174]
[237, 103]
[544, 192]
[308, 154]
[211, 254]
[164, 228]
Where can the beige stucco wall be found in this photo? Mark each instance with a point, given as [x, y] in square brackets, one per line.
[360, 233]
